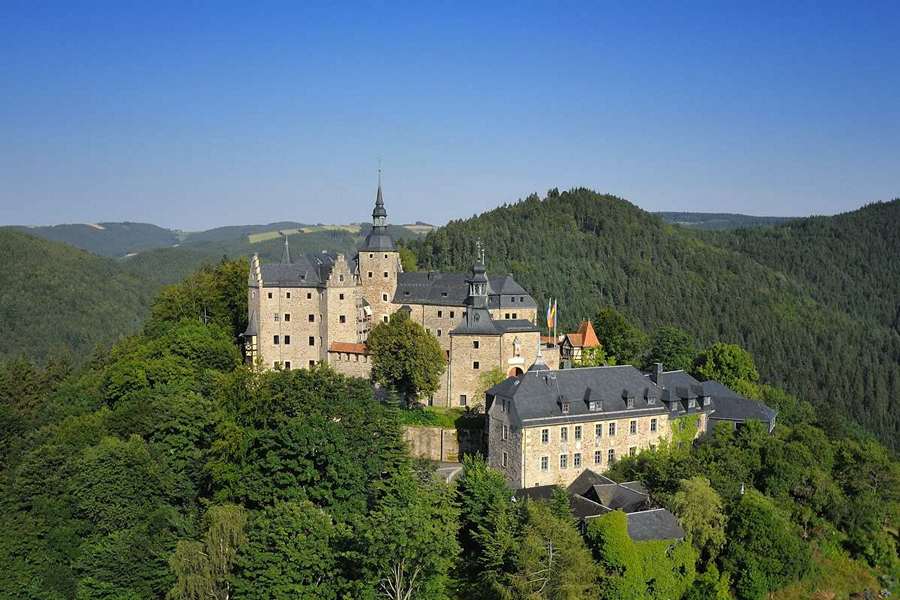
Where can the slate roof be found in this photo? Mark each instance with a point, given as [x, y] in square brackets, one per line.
[536, 396]
[379, 240]
[732, 407]
[726, 403]
[306, 270]
[630, 497]
[451, 289]
[654, 524]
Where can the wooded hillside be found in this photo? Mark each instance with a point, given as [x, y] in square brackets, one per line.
[810, 299]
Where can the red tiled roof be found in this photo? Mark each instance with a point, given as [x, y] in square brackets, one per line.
[584, 337]
[349, 347]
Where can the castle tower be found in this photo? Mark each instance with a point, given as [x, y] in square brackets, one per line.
[379, 264]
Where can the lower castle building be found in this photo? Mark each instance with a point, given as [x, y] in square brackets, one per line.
[548, 426]
[319, 308]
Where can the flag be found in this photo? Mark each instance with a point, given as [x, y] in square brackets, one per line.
[551, 313]
[555, 303]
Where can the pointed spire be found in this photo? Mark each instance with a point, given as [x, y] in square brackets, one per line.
[379, 215]
[286, 253]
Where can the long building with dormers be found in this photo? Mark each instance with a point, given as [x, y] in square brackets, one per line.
[310, 309]
[547, 427]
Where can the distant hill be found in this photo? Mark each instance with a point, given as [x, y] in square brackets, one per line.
[718, 221]
[124, 239]
[56, 299]
[107, 239]
[810, 299]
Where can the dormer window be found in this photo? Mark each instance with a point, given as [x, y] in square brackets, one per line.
[443, 294]
[629, 403]
[564, 406]
[692, 403]
[595, 406]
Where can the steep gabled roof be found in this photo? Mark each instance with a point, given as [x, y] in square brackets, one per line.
[585, 337]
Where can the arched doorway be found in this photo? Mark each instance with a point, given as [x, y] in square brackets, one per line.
[515, 372]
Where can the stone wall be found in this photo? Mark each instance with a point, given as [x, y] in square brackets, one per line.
[589, 443]
[286, 312]
[433, 443]
[351, 364]
[340, 312]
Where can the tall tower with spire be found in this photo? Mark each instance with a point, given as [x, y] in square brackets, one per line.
[379, 264]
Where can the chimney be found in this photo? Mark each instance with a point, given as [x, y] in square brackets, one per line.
[657, 372]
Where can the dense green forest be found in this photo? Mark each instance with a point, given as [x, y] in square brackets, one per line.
[56, 299]
[164, 468]
[811, 299]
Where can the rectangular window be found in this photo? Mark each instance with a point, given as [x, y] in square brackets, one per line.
[312, 341]
[287, 365]
[576, 460]
[632, 451]
[504, 432]
[440, 313]
[545, 463]
[578, 432]
[343, 318]
[598, 457]
[311, 318]
[309, 295]
[475, 344]
[287, 317]
[275, 340]
[564, 434]
[462, 400]
[515, 316]
[312, 363]
[598, 430]
[563, 461]
[653, 425]
[475, 364]
[270, 294]
[632, 427]
[505, 459]
[341, 279]
[611, 456]
[506, 316]
[370, 274]
[451, 314]
[612, 429]
[277, 317]
[341, 296]
[287, 339]
[545, 436]
[439, 333]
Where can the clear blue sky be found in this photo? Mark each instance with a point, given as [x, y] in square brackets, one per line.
[193, 114]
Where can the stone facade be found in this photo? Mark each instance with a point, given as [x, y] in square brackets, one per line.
[546, 426]
[321, 308]
[378, 272]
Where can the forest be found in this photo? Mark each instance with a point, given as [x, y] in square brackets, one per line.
[163, 467]
[814, 300]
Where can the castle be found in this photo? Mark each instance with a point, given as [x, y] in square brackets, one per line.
[319, 308]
